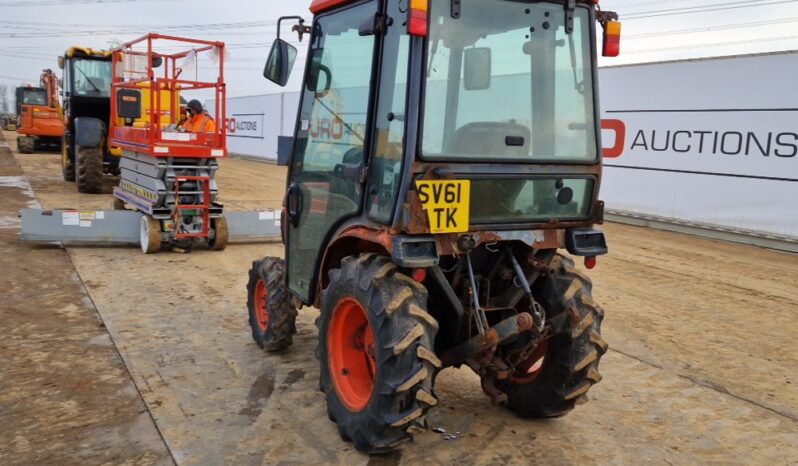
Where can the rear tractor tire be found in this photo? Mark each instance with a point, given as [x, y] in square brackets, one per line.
[376, 352]
[89, 173]
[220, 234]
[559, 373]
[272, 318]
[150, 235]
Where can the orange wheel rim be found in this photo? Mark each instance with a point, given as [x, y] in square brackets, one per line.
[261, 311]
[531, 368]
[351, 353]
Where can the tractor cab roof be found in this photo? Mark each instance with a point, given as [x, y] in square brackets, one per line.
[81, 52]
[320, 6]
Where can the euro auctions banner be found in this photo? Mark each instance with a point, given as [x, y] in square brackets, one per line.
[711, 142]
[254, 123]
[245, 125]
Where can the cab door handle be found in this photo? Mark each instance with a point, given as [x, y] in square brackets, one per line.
[293, 204]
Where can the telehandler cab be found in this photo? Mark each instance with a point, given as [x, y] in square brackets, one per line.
[86, 92]
[445, 152]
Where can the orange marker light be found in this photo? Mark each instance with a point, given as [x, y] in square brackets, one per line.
[417, 18]
[590, 262]
[419, 275]
[612, 39]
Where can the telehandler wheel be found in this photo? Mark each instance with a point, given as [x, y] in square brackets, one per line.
[67, 167]
[558, 374]
[376, 353]
[219, 240]
[89, 173]
[150, 235]
[271, 315]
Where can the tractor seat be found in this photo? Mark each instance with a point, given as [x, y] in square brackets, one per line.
[502, 139]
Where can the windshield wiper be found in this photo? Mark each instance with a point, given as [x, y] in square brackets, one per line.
[432, 56]
[579, 86]
[89, 80]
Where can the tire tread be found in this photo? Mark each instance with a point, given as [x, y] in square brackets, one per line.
[571, 365]
[282, 314]
[404, 334]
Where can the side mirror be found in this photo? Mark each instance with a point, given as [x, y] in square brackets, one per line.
[477, 69]
[157, 61]
[61, 62]
[281, 61]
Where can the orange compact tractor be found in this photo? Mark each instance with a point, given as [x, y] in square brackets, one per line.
[446, 157]
[40, 123]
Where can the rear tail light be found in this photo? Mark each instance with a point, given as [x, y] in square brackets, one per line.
[612, 39]
[417, 18]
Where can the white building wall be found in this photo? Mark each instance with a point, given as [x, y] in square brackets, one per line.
[711, 142]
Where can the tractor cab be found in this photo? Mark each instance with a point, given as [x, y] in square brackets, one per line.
[445, 152]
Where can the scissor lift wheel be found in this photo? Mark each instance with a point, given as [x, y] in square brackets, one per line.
[150, 235]
[219, 239]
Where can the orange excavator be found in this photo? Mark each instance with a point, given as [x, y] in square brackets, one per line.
[40, 121]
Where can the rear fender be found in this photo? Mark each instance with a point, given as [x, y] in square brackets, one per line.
[357, 240]
[89, 132]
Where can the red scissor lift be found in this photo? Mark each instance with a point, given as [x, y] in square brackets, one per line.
[166, 174]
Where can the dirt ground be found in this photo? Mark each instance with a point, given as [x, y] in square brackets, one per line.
[65, 395]
[701, 370]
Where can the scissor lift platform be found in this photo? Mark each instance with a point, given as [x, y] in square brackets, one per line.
[167, 174]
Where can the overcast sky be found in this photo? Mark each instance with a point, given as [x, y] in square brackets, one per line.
[34, 32]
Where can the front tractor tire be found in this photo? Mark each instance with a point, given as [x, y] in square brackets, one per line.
[376, 353]
[89, 173]
[272, 318]
[559, 373]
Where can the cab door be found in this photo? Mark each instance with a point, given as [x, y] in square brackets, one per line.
[324, 186]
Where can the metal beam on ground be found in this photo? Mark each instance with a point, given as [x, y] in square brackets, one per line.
[123, 226]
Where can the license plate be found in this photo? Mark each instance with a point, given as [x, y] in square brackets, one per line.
[446, 203]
